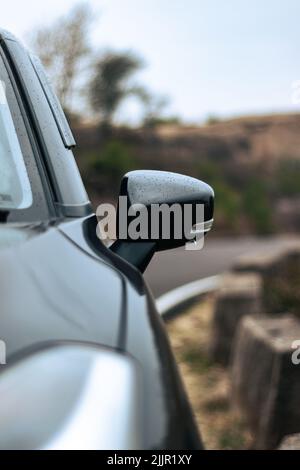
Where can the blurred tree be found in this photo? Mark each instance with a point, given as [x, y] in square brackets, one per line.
[153, 107]
[62, 47]
[159, 121]
[288, 177]
[257, 206]
[212, 119]
[110, 84]
[114, 160]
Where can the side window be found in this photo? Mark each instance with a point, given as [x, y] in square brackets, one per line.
[22, 192]
[15, 190]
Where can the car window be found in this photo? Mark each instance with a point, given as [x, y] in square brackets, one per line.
[15, 190]
[23, 190]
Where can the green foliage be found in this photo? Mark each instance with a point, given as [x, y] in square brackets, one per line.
[228, 203]
[257, 206]
[114, 160]
[288, 177]
[209, 172]
[197, 359]
[109, 85]
[212, 120]
[235, 204]
[232, 439]
[157, 121]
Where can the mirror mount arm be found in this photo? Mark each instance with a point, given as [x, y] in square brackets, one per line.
[3, 215]
[137, 253]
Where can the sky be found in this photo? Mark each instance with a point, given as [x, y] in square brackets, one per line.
[210, 57]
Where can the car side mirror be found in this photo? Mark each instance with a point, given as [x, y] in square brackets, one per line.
[160, 210]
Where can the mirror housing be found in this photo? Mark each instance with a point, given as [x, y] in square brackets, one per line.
[175, 209]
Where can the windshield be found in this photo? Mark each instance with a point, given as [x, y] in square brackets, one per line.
[25, 195]
[15, 191]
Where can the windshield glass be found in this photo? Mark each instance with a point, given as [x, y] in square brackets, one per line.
[15, 191]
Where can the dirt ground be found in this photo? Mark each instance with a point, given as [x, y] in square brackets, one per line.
[207, 384]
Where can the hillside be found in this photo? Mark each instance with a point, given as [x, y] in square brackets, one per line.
[260, 137]
[249, 158]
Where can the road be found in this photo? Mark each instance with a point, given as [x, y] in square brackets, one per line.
[174, 268]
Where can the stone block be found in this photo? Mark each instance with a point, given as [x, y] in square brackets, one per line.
[291, 442]
[238, 295]
[265, 381]
[280, 272]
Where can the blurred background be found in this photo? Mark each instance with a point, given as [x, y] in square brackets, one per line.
[210, 89]
[206, 88]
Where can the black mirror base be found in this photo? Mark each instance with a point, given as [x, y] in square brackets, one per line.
[137, 253]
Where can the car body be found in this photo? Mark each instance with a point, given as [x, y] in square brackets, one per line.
[66, 298]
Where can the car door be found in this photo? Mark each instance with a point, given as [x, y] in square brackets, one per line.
[61, 283]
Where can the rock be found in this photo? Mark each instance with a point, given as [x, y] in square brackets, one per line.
[279, 270]
[265, 381]
[290, 443]
[237, 296]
